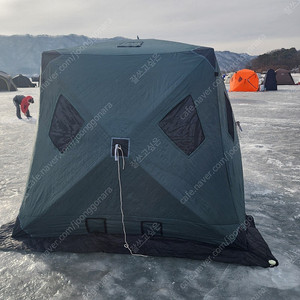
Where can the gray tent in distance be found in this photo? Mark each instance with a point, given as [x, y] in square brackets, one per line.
[284, 77]
[182, 189]
[22, 81]
[6, 83]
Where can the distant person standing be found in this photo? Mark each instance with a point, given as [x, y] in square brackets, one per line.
[23, 102]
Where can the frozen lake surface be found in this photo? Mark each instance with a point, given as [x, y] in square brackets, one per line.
[271, 158]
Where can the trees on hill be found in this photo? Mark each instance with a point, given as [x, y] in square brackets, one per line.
[282, 58]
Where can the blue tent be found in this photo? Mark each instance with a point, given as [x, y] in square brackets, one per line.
[270, 82]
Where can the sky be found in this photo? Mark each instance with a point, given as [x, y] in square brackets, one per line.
[253, 27]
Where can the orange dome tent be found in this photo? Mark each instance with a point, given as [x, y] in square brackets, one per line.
[244, 81]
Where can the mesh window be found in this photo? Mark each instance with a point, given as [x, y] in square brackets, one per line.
[182, 125]
[152, 228]
[230, 123]
[209, 54]
[65, 125]
[96, 225]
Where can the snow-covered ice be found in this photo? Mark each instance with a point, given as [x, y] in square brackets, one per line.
[271, 150]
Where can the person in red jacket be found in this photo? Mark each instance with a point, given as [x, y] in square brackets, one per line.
[23, 102]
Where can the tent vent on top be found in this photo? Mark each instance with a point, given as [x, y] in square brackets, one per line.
[131, 44]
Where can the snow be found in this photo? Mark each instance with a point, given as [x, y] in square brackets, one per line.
[296, 77]
[270, 149]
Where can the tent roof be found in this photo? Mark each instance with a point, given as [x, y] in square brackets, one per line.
[245, 72]
[3, 74]
[130, 47]
[283, 71]
[20, 76]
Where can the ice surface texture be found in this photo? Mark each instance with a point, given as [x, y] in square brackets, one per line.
[270, 148]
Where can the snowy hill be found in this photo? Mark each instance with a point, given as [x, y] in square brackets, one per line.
[230, 61]
[21, 54]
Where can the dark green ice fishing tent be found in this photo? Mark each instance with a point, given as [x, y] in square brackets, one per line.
[165, 105]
